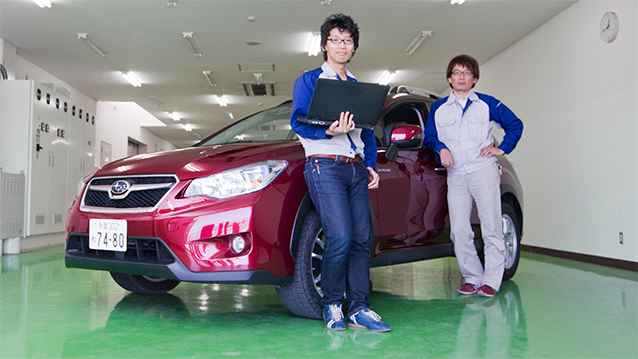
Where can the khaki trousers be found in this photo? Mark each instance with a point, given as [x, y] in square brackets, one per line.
[482, 186]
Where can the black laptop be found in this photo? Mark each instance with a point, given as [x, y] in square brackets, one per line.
[332, 97]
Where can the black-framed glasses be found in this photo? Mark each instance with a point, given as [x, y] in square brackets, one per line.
[337, 41]
[459, 73]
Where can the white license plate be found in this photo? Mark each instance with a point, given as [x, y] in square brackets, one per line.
[107, 234]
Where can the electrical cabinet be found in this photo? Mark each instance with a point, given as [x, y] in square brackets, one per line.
[43, 137]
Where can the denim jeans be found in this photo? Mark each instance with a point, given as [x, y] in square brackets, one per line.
[339, 191]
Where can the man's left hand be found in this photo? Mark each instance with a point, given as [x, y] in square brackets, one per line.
[373, 179]
[490, 151]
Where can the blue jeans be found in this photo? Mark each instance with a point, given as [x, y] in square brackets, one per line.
[339, 191]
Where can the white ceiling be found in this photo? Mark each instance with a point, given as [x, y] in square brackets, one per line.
[145, 37]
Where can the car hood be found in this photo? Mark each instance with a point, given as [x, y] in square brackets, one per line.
[196, 162]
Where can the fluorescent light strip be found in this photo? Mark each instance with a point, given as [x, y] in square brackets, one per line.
[221, 100]
[132, 79]
[174, 116]
[43, 3]
[187, 127]
[314, 44]
[157, 100]
[192, 43]
[230, 115]
[457, 2]
[84, 36]
[387, 77]
[417, 42]
[209, 77]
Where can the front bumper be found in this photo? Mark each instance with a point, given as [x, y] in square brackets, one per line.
[151, 257]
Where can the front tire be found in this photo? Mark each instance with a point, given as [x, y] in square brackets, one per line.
[303, 296]
[144, 284]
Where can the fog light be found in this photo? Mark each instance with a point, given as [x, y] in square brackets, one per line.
[237, 244]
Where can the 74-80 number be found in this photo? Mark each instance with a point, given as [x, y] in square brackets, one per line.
[107, 234]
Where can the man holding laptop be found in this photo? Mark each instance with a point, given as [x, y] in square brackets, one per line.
[340, 168]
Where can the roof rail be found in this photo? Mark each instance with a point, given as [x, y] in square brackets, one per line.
[410, 89]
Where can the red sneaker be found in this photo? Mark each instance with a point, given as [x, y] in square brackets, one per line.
[467, 289]
[486, 291]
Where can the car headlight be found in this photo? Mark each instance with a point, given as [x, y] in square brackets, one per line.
[238, 181]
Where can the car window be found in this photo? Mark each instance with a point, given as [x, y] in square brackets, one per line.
[266, 126]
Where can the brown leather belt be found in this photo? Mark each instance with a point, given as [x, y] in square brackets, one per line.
[339, 158]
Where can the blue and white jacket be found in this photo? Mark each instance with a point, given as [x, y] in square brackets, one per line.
[465, 131]
[314, 138]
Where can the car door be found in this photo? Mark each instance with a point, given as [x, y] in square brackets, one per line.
[412, 194]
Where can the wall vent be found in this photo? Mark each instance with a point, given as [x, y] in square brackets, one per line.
[264, 89]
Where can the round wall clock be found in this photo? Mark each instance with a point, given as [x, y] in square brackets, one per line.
[609, 26]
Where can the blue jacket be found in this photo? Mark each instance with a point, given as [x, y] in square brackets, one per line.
[362, 142]
[465, 131]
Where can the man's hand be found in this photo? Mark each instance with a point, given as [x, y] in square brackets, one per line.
[373, 179]
[343, 125]
[447, 160]
[490, 151]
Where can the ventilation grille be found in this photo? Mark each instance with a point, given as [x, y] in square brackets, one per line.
[139, 250]
[263, 89]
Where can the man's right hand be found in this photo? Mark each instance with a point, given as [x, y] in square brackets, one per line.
[447, 160]
[343, 125]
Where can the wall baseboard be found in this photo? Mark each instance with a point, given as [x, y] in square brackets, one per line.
[607, 262]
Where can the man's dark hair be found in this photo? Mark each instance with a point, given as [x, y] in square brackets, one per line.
[343, 23]
[466, 61]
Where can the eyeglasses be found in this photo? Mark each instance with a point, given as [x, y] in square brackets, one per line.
[459, 73]
[337, 41]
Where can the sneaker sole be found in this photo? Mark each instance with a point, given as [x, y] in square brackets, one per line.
[372, 330]
[466, 293]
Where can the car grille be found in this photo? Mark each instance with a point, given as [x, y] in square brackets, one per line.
[144, 193]
[138, 250]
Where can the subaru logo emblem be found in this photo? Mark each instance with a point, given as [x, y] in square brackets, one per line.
[120, 187]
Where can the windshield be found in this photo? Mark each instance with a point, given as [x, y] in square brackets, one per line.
[266, 126]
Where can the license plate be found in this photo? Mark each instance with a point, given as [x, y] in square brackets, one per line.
[107, 234]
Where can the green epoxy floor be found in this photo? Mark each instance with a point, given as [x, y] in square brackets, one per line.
[552, 308]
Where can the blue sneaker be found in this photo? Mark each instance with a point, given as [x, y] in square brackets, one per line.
[365, 318]
[333, 317]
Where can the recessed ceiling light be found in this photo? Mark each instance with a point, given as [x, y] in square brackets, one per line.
[187, 127]
[314, 43]
[221, 100]
[457, 2]
[387, 77]
[85, 36]
[43, 3]
[417, 42]
[192, 43]
[132, 79]
[174, 116]
[209, 77]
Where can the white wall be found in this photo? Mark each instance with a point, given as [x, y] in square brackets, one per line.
[115, 125]
[578, 158]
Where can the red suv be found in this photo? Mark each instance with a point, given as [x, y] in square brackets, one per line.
[235, 209]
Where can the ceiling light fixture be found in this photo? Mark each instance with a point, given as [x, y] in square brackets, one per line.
[85, 36]
[157, 100]
[187, 127]
[221, 100]
[171, 3]
[417, 42]
[387, 77]
[192, 43]
[314, 44]
[132, 79]
[230, 115]
[174, 116]
[209, 77]
[457, 2]
[43, 3]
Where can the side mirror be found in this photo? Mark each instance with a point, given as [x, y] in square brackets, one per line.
[403, 136]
